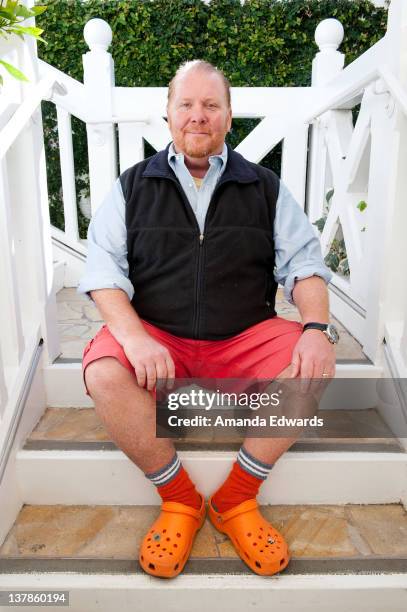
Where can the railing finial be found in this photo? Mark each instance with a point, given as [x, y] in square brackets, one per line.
[97, 34]
[329, 35]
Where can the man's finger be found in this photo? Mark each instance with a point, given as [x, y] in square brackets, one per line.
[171, 372]
[295, 365]
[161, 369]
[151, 375]
[141, 375]
[306, 373]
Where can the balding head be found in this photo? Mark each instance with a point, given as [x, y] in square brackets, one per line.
[198, 65]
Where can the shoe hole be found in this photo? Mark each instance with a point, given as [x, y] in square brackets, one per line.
[171, 554]
[177, 566]
[254, 543]
[152, 531]
[158, 546]
[151, 566]
[142, 558]
[249, 534]
[261, 528]
[282, 561]
[175, 545]
[164, 549]
[148, 539]
[266, 546]
[164, 531]
[168, 539]
[149, 546]
[261, 550]
[160, 555]
[278, 547]
[178, 535]
[260, 538]
[258, 564]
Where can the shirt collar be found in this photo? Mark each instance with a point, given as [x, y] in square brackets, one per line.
[179, 157]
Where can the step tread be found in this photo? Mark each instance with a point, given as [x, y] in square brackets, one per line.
[81, 429]
[315, 533]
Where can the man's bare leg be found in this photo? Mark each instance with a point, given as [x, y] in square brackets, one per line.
[269, 450]
[128, 413]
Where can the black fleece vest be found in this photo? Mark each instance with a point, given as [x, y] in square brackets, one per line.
[210, 286]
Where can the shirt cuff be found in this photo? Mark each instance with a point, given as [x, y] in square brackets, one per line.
[92, 284]
[305, 272]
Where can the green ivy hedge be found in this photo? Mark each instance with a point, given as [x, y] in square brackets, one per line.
[257, 43]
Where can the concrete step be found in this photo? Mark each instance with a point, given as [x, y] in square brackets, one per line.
[335, 550]
[69, 458]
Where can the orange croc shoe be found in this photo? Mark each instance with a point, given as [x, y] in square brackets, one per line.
[167, 546]
[256, 542]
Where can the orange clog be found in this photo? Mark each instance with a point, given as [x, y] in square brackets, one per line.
[256, 542]
[166, 547]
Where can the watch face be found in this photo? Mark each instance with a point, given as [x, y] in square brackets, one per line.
[332, 333]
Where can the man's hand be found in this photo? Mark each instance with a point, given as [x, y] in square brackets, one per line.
[150, 359]
[313, 356]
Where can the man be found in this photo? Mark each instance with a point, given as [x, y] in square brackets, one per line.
[180, 265]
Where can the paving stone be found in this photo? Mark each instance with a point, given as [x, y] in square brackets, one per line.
[117, 531]
[382, 526]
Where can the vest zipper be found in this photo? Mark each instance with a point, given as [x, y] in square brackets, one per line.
[199, 267]
[198, 291]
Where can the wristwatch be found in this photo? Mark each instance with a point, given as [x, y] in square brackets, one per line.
[328, 329]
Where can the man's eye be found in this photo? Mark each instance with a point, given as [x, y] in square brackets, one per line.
[185, 104]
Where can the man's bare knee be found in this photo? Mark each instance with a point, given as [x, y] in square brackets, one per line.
[103, 376]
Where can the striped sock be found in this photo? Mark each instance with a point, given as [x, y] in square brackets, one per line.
[174, 484]
[243, 482]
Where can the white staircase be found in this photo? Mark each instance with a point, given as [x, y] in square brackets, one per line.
[365, 161]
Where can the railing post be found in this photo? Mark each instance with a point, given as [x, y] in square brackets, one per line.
[392, 312]
[98, 67]
[327, 63]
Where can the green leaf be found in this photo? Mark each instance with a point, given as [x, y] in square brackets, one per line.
[329, 195]
[15, 72]
[361, 206]
[23, 11]
[30, 30]
[38, 10]
[320, 223]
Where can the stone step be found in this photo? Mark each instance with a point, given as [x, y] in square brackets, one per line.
[70, 459]
[347, 430]
[347, 538]
[343, 557]
[79, 320]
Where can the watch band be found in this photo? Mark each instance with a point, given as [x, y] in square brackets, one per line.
[312, 325]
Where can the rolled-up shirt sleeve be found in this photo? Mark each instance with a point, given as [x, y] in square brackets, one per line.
[106, 264]
[297, 247]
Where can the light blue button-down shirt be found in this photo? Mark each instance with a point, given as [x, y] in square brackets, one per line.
[297, 248]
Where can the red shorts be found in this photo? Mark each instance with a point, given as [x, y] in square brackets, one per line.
[259, 352]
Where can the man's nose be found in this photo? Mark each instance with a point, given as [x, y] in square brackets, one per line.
[198, 114]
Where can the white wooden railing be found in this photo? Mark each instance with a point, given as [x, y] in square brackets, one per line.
[361, 163]
[348, 159]
[27, 300]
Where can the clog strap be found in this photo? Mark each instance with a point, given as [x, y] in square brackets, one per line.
[182, 509]
[246, 506]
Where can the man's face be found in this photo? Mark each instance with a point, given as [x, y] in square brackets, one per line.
[198, 114]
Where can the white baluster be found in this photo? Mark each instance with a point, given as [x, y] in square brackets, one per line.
[12, 339]
[98, 69]
[67, 174]
[327, 63]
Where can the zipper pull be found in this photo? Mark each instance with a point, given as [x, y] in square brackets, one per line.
[201, 239]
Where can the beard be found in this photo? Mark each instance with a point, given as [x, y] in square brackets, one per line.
[193, 148]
